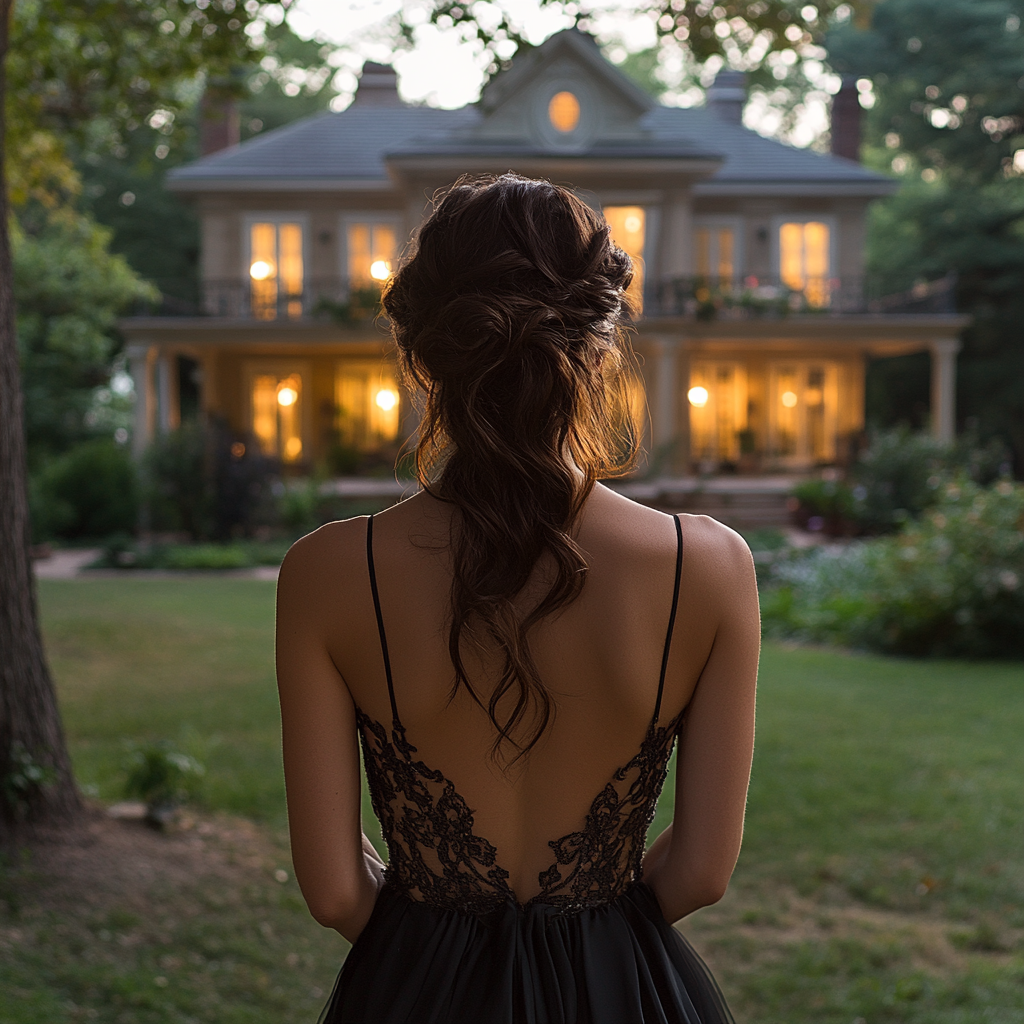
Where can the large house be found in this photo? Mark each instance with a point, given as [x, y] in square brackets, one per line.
[757, 319]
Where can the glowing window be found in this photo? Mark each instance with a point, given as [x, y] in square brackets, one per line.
[276, 415]
[627, 224]
[368, 404]
[275, 270]
[804, 259]
[371, 253]
[718, 410]
[804, 410]
[564, 112]
[715, 253]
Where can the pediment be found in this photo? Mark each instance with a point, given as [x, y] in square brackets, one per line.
[563, 96]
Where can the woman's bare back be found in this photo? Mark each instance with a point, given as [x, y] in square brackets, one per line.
[600, 658]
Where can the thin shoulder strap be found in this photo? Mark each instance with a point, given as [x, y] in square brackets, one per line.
[380, 619]
[671, 617]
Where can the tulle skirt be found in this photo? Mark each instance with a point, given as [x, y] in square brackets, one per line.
[620, 963]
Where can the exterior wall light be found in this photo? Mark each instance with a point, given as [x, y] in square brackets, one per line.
[287, 396]
[380, 270]
[261, 270]
[789, 399]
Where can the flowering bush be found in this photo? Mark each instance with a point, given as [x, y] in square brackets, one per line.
[950, 583]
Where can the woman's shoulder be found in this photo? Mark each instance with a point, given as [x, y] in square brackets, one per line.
[321, 559]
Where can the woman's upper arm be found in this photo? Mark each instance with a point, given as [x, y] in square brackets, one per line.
[717, 740]
[319, 737]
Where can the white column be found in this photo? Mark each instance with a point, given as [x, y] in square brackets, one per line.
[662, 396]
[165, 418]
[140, 361]
[944, 352]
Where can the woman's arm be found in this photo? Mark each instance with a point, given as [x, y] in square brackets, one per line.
[691, 862]
[336, 867]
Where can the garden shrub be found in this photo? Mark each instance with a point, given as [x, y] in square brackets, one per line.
[178, 477]
[949, 584]
[91, 491]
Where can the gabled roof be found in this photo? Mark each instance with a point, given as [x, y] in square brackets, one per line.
[576, 45]
[350, 149]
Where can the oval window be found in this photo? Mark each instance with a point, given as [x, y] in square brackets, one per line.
[564, 112]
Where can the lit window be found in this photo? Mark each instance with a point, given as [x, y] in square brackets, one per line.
[803, 412]
[627, 225]
[368, 404]
[564, 112]
[717, 397]
[804, 260]
[275, 270]
[715, 249]
[371, 254]
[276, 415]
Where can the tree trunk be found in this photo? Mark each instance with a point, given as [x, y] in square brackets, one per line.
[36, 783]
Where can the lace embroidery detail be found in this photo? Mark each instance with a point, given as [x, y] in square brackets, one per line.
[436, 858]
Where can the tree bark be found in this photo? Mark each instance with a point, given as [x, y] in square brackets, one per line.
[36, 782]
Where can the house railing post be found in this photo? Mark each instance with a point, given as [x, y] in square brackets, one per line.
[943, 352]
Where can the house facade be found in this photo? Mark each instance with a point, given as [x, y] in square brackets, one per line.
[757, 318]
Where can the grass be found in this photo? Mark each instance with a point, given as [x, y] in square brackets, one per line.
[882, 875]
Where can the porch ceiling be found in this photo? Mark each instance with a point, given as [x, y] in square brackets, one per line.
[876, 335]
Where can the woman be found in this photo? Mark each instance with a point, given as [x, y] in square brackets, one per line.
[517, 648]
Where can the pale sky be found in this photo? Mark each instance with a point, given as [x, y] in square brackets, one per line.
[444, 71]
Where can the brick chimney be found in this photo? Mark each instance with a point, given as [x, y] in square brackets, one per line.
[727, 96]
[220, 126]
[378, 86]
[846, 120]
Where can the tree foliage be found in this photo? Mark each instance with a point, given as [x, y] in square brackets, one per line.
[948, 118]
[69, 290]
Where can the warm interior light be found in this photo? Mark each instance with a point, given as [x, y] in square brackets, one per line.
[287, 395]
[633, 223]
[814, 396]
[260, 270]
[386, 399]
[564, 111]
[789, 399]
[698, 397]
[292, 448]
[380, 270]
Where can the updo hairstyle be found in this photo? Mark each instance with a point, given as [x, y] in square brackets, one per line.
[507, 318]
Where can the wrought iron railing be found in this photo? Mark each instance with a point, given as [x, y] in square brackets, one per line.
[711, 298]
[704, 298]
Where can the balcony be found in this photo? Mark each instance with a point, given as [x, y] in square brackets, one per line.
[766, 297]
[700, 298]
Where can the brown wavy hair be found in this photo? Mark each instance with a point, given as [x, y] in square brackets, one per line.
[507, 315]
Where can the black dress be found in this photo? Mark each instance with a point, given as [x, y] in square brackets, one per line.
[448, 943]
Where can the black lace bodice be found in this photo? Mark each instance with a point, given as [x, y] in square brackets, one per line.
[436, 857]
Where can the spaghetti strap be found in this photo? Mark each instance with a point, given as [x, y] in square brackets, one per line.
[380, 619]
[671, 618]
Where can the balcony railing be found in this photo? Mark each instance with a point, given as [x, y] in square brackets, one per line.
[712, 298]
[700, 297]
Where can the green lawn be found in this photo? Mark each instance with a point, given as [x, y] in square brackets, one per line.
[882, 876]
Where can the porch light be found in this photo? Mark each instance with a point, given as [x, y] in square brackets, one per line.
[386, 399]
[698, 397]
[789, 399]
[380, 270]
[261, 270]
[287, 395]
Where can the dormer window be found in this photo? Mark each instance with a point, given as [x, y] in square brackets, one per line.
[564, 112]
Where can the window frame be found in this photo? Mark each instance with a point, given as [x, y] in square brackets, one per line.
[281, 367]
[828, 219]
[736, 223]
[276, 217]
[346, 220]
